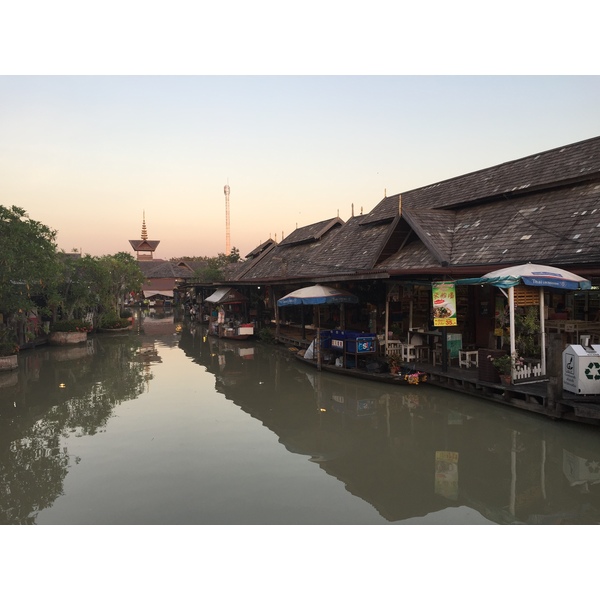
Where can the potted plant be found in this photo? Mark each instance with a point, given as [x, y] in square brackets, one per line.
[503, 365]
[394, 363]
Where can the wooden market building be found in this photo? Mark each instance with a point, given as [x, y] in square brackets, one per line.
[543, 208]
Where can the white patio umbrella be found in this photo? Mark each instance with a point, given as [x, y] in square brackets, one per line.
[534, 275]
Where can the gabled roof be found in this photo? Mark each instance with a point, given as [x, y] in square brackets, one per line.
[243, 268]
[260, 249]
[385, 211]
[162, 269]
[297, 256]
[342, 251]
[311, 233]
[356, 247]
[435, 228]
[543, 208]
[144, 245]
[193, 266]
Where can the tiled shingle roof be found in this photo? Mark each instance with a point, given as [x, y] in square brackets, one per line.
[571, 162]
[542, 208]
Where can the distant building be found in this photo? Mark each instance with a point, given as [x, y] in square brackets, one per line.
[162, 276]
[144, 248]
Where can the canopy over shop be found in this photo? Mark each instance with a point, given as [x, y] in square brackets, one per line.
[529, 274]
[158, 295]
[228, 319]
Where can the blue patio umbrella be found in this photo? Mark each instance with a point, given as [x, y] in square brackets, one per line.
[316, 295]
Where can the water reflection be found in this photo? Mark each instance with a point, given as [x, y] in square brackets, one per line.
[415, 455]
[415, 451]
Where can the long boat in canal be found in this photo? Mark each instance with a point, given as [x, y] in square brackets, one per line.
[405, 376]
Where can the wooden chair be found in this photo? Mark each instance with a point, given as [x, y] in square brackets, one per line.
[468, 358]
[408, 352]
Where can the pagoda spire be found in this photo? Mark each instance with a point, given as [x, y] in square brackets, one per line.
[144, 231]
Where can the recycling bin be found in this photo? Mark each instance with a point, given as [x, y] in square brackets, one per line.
[581, 369]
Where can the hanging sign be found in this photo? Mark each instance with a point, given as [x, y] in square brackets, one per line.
[444, 304]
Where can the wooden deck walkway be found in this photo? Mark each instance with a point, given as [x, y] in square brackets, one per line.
[532, 397]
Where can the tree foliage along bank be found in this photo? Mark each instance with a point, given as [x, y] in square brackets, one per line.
[35, 276]
[210, 268]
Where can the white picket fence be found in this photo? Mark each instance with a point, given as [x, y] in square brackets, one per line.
[527, 371]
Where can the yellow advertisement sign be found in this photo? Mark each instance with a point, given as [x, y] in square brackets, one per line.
[444, 304]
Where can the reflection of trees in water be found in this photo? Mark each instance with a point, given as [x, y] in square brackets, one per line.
[33, 465]
[32, 473]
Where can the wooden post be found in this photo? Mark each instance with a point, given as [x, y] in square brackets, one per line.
[554, 387]
[444, 350]
[319, 349]
[387, 321]
[274, 300]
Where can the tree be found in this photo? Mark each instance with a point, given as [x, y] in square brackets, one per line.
[213, 267]
[28, 262]
[121, 274]
[79, 287]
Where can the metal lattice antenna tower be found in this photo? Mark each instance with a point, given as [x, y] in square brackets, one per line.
[227, 237]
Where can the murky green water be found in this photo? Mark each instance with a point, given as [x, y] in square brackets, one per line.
[164, 427]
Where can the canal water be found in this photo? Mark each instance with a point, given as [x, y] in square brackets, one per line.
[163, 425]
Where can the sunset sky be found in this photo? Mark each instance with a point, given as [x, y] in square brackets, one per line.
[87, 154]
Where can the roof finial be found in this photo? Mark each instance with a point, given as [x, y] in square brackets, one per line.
[353, 209]
[144, 231]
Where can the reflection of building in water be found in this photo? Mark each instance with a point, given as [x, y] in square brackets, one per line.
[146, 354]
[446, 474]
[580, 471]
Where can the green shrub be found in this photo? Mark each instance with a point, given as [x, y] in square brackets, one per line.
[8, 342]
[71, 325]
[113, 322]
[266, 335]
